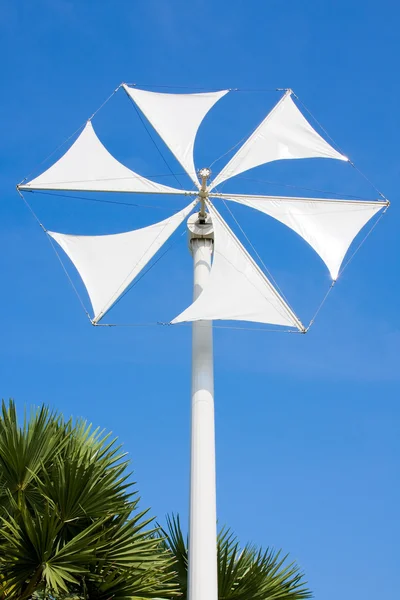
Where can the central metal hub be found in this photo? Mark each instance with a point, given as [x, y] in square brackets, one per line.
[199, 229]
[203, 193]
[205, 172]
[200, 225]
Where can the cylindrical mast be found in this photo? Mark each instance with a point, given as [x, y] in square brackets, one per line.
[202, 567]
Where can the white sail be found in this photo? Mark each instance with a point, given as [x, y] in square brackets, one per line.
[237, 289]
[176, 118]
[284, 133]
[107, 264]
[88, 166]
[329, 226]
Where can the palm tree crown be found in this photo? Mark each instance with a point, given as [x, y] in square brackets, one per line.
[69, 519]
[247, 574]
[70, 527]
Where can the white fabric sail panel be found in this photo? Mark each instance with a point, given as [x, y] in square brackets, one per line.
[237, 289]
[88, 166]
[107, 264]
[176, 118]
[285, 133]
[329, 226]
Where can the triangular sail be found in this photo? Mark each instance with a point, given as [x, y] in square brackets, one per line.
[284, 133]
[329, 226]
[107, 264]
[237, 289]
[88, 166]
[176, 118]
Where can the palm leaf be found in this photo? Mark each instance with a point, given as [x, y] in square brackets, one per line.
[175, 543]
[69, 518]
[243, 574]
[24, 450]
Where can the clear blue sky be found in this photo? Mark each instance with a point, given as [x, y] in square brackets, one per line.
[308, 426]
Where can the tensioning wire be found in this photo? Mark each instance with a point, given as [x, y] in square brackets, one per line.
[166, 324]
[70, 136]
[99, 200]
[50, 239]
[31, 210]
[228, 151]
[324, 299]
[363, 240]
[236, 327]
[69, 277]
[153, 140]
[206, 89]
[298, 187]
[257, 254]
[144, 272]
[248, 136]
[339, 149]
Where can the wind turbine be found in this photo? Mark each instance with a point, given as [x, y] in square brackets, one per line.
[228, 284]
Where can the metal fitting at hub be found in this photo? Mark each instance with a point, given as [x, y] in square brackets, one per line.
[203, 193]
[199, 229]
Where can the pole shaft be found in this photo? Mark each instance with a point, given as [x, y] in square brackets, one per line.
[202, 568]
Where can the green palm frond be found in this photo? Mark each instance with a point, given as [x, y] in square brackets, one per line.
[243, 574]
[174, 541]
[69, 518]
[33, 552]
[78, 490]
[70, 527]
[24, 450]
[121, 585]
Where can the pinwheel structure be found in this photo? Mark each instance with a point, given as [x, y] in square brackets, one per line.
[228, 283]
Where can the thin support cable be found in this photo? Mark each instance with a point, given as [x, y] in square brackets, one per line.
[264, 329]
[69, 278]
[340, 150]
[101, 201]
[218, 190]
[166, 324]
[68, 275]
[102, 311]
[282, 300]
[31, 210]
[134, 283]
[56, 252]
[256, 253]
[52, 153]
[144, 273]
[344, 267]
[324, 299]
[105, 101]
[207, 89]
[228, 151]
[298, 187]
[150, 324]
[319, 124]
[247, 138]
[363, 241]
[69, 137]
[235, 327]
[153, 140]
[368, 181]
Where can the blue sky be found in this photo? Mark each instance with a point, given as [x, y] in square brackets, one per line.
[307, 426]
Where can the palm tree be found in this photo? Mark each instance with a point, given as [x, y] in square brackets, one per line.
[69, 518]
[247, 574]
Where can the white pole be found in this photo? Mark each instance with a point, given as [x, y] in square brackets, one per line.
[202, 568]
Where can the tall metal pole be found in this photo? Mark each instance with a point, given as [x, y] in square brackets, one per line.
[202, 568]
